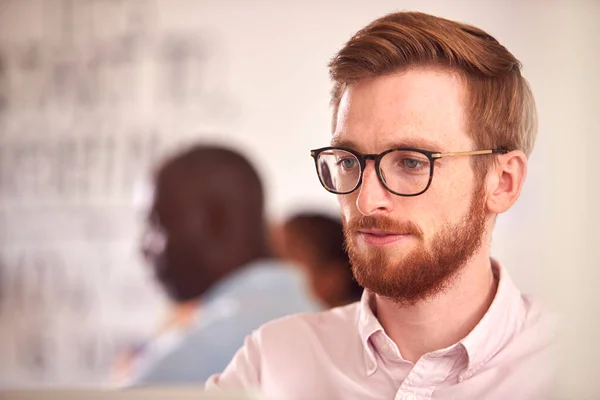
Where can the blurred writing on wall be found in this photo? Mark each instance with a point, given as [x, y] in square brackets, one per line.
[92, 93]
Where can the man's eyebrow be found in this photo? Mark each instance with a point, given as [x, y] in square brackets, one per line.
[337, 141]
[414, 143]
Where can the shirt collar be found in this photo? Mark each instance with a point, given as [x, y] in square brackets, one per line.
[482, 343]
[368, 325]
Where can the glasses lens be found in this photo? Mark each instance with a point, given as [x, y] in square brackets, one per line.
[405, 172]
[339, 170]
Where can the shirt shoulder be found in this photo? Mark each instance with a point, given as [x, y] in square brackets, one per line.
[321, 326]
[540, 319]
[303, 339]
[309, 338]
[175, 362]
[533, 345]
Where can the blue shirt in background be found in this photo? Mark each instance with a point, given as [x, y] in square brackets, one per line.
[257, 293]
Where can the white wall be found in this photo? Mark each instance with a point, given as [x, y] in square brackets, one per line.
[255, 73]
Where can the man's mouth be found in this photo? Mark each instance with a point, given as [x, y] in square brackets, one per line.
[376, 237]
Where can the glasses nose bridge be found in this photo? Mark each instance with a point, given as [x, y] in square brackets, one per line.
[372, 157]
[363, 161]
[376, 158]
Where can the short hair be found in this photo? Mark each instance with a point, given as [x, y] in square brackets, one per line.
[322, 232]
[223, 172]
[324, 236]
[500, 107]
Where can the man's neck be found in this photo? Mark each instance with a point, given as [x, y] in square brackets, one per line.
[444, 320]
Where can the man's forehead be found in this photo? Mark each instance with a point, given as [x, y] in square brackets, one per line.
[424, 108]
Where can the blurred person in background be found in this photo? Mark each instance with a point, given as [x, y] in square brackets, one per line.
[433, 124]
[315, 242]
[207, 243]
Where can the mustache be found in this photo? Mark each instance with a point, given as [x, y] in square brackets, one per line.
[384, 224]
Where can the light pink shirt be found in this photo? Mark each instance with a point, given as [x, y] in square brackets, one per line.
[345, 354]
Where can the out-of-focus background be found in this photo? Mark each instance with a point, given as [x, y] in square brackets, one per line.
[94, 92]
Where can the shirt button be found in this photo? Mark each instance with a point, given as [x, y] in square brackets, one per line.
[411, 396]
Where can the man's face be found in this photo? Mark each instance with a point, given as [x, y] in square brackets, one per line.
[172, 243]
[409, 248]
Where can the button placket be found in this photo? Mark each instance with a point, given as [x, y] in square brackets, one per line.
[427, 373]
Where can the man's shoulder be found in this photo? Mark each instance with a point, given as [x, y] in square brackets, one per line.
[533, 342]
[334, 317]
[541, 321]
[319, 325]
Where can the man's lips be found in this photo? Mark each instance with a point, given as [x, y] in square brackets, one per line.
[376, 237]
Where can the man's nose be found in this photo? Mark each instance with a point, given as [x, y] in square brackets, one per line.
[373, 197]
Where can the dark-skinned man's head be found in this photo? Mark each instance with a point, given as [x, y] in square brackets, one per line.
[206, 220]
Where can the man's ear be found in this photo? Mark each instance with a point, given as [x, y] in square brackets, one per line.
[505, 180]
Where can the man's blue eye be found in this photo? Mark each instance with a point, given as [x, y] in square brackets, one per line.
[411, 163]
[347, 163]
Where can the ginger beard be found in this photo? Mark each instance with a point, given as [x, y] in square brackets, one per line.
[425, 271]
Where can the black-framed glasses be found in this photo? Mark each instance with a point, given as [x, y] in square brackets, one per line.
[402, 171]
